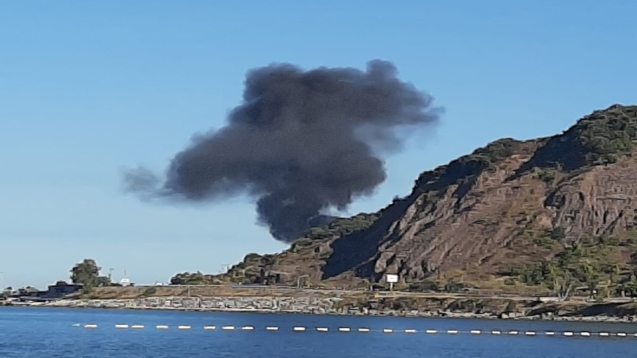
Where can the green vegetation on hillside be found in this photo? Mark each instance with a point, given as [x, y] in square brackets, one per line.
[597, 139]
[461, 170]
[196, 278]
[254, 267]
[592, 264]
[341, 227]
[495, 151]
[606, 134]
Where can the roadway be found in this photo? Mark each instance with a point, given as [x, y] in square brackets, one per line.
[385, 294]
[482, 294]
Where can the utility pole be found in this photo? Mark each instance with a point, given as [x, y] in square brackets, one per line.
[110, 274]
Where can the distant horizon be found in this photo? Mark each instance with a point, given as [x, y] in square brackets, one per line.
[89, 89]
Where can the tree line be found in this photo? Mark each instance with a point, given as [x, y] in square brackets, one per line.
[86, 273]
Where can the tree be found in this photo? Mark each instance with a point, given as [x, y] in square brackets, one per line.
[103, 281]
[590, 277]
[88, 273]
[630, 287]
[178, 279]
[550, 274]
[564, 289]
[557, 234]
[615, 272]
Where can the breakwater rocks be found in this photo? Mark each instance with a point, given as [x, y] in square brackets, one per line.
[249, 304]
[306, 305]
[485, 309]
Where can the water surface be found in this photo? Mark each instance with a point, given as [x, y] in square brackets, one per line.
[50, 332]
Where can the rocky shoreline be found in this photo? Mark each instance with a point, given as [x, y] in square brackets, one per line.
[319, 306]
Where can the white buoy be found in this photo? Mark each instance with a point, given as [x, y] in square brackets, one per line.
[344, 329]
[496, 333]
[321, 329]
[247, 328]
[388, 330]
[209, 328]
[362, 329]
[298, 329]
[161, 326]
[475, 331]
[227, 328]
[183, 327]
[90, 326]
[121, 326]
[270, 328]
[585, 334]
[137, 326]
[431, 331]
[452, 331]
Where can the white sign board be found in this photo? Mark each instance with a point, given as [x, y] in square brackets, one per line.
[392, 278]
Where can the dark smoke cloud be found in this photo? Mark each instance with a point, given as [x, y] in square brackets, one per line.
[300, 143]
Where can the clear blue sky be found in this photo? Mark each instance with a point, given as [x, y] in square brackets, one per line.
[90, 87]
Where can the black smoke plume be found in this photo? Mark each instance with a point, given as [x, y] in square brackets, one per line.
[302, 142]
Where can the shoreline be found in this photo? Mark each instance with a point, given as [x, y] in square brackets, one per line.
[176, 304]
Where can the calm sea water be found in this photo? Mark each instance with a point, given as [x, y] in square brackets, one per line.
[48, 332]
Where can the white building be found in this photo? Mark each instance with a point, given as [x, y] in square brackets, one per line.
[125, 281]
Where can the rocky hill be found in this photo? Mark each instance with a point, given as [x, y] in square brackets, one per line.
[548, 214]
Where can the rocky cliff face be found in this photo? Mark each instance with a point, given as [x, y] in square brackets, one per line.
[509, 204]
